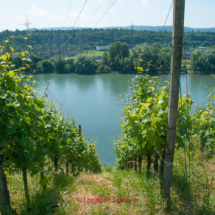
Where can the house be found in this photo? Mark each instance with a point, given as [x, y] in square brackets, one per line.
[102, 48]
[202, 48]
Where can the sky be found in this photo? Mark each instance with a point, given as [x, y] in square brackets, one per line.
[56, 13]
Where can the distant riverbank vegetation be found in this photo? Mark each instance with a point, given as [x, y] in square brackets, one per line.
[155, 59]
[63, 42]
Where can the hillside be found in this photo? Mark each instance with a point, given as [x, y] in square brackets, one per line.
[87, 39]
[135, 27]
[68, 194]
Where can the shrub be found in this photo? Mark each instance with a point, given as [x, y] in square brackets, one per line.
[103, 69]
[47, 67]
[39, 67]
[71, 62]
[85, 64]
[60, 66]
[67, 68]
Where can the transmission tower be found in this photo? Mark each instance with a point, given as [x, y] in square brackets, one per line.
[27, 24]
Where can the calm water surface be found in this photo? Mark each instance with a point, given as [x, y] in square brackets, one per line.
[92, 100]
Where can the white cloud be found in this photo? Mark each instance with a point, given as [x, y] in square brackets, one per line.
[120, 1]
[112, 11]
[145, 3]
[38, 12]
[10, 18]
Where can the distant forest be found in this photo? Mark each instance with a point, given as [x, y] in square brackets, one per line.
[67, 41]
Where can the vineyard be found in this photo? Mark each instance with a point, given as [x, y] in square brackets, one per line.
[43, 152]
[145, 125]
[35, 136]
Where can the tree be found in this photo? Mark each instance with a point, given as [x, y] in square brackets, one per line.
[124, 50]
[105, 58]
[209, 55]
[117, 46]
[164, 58]
[127, 65]
[35, 59]
[103, 69]
[60, 66]
[85, 64]
[197, 60]
[47, 67]
[112, 54]
[71, 63]
[117, 52]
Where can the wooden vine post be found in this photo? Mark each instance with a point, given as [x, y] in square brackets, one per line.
[80, 167]
[5, 207]
[25, 180]
[177, 40]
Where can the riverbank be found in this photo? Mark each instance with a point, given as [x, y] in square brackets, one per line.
[112, 72]
[201, 72]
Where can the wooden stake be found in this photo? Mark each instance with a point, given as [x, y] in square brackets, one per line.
[177, 40]
[25, 181]
[5, 207]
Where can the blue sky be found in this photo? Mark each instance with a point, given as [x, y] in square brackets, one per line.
[50, 13]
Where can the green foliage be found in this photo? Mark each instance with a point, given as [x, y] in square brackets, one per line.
[144, 125]
[105, 58]
[118, 52]
[39, 67]
[197, 59]
[85, 64]
[145, 120]
[164, 57]
[71, 63]
[67, 68]
[33, 132]
[67, 41]
[203, 124]
[203, 61]
[17, 61]
[127, 65]
[47, 67]
[60, 66]
[35, 59]
[103, 69]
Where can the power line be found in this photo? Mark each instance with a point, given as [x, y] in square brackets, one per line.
[80, 13]
[55, 98]
[105, 13]
[94, 13]
[65, 14]
[166, 19]
[68, 12]
[164, 27]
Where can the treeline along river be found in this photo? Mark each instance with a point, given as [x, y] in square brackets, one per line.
[92, 100]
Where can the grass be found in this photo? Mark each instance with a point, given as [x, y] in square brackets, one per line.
[67, 194]
[95, 53]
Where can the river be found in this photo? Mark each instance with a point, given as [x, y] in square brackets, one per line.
[92, 100]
